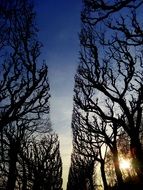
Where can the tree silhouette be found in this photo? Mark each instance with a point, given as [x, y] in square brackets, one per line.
[109, 78]
[23, 83]
[81, 173]
[87, 142]
[40, 163]
[91, 138]
[24, 103]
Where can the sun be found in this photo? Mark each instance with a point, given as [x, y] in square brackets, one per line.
[125, 164]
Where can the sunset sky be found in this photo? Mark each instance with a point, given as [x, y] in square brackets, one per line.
[59, 25]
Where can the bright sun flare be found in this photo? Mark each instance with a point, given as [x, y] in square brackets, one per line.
[125, 164]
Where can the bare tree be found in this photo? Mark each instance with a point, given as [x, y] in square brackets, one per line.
[87, 142]
[92, 138]
[109, 79]
[81, 173]
[40, 164]
[23, 83]
[24, 86]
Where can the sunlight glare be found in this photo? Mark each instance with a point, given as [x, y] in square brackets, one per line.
[125, 164]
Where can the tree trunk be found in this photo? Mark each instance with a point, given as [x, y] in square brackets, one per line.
[13, 153]
[91, 183]
[117, 168]
[137, 155]
[24, 180]
[37, 183]
[103, 175]
[12, 169]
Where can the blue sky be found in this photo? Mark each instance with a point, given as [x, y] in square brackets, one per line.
[59, 25]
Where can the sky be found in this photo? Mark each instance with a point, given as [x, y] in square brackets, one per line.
[59, 26]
